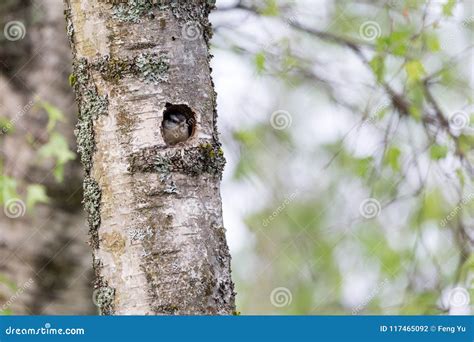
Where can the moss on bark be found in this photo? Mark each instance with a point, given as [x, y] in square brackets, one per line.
[149, 67]
[205, 158]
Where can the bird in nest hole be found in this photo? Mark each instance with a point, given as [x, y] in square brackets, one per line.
[176, 128]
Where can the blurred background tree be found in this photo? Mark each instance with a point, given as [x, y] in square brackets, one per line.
[348, 125]
[45, 263]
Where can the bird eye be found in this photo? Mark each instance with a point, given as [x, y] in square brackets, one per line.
[174, 116]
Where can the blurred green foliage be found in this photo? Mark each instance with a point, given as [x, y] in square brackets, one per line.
[26, 196]
[309, 235]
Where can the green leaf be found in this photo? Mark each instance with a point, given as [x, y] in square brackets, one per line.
[7, 188]
[415, 113]
[415, 70]
[414, 4]
[392, 158]
[54, 115]
[289, 62]
[363, 166]
[271, 8]
[245, 167]
[378, 67]
[438, 152]
[396, 43]
[6, 312]
[72, 80]
[432, 42]
[466, 143]
[416, 98]
[416, 94]
[58, 149]
[421, 303]
[6, 126]
[432, 207]
[248, 161]
[35, 193]
[246, 137]
[447, 76]
[10, 284]
[260, 60]
[448, 7]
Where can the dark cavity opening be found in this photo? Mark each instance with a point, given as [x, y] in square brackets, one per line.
[179, 123]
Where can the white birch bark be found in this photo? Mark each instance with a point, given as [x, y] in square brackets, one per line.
[154, 210]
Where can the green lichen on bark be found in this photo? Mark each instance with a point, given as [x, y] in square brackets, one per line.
[161, 165]
[193, 15]
[149, 67]
[224, 292]
[152, 68]
[185, 11]
[91, 106]
[104, 299]
[112, 69]
[190, 9]
[104, 295]
[204, 158]
[133, 10]
[91, 201]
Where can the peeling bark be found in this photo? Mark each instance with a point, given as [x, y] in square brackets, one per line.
[155, 214]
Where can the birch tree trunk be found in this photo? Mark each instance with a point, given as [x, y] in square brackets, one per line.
[154, 210]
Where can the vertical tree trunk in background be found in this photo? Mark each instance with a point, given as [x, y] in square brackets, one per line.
[154, 210]
[44, 254]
